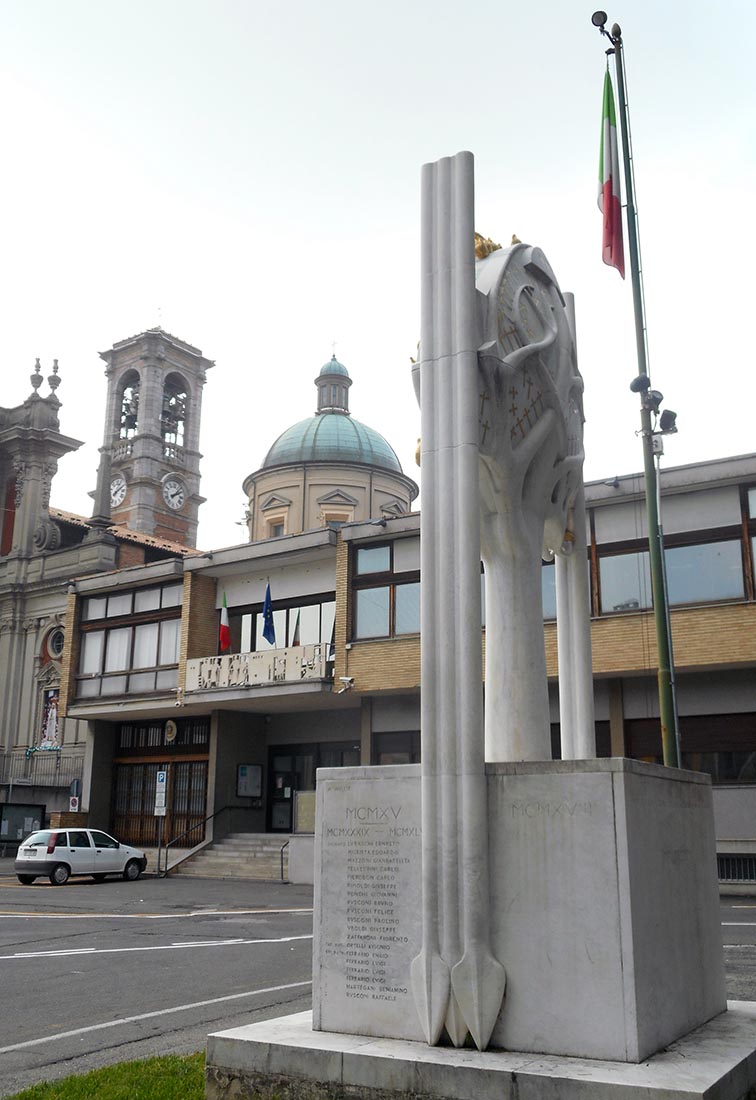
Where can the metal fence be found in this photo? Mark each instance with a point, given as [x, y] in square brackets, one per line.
[49, 768]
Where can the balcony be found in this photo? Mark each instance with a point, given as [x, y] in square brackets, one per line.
[296, 670]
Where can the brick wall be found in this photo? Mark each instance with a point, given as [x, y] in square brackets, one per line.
[199, 622]
[342, 609]
[129, 553]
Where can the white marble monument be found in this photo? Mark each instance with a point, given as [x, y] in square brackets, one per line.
[567, 910]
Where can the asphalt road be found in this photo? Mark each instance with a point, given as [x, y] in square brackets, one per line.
[95, 974]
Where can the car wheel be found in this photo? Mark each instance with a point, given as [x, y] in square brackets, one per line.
[132, 871]
[26, 880]
[59, 875]
[99, 878]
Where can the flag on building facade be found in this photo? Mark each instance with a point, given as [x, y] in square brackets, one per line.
[269, 630]
[224, 634]
[609, 193]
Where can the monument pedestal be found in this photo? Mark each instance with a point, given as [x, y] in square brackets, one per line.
[605, 915]
[604, 904]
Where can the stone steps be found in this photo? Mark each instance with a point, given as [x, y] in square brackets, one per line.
[250, 856]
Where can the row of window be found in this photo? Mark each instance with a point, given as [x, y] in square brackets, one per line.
[130, 642]
[701, 573]
[301, 624]
[132, 603]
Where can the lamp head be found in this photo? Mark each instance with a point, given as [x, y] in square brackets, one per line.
[599, 19]
[640, 384]
[667, 421]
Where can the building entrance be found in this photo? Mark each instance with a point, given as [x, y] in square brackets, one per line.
[292, 768]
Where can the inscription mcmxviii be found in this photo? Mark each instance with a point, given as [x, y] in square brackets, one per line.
[551, 809]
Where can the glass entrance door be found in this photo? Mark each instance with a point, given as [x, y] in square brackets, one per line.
[291, 770]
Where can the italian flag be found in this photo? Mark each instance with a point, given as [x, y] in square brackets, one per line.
[609, 194]
[224, 635]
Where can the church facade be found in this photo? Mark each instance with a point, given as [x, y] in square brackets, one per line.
[145, 510]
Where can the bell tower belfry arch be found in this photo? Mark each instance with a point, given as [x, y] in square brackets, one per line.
[151, 438]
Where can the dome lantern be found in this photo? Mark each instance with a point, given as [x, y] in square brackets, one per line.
[333, 384]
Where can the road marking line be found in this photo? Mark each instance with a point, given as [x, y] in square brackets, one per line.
[738, 924]
[8, 915]
[65, 952]
[152, 1015]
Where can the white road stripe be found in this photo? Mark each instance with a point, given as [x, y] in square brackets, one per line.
[64, 952]
[738, 924]
[151, 1015]
[153, 916]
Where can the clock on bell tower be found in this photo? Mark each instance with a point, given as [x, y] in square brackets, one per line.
[151, 434]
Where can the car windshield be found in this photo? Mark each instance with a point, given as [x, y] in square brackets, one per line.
[37, 840]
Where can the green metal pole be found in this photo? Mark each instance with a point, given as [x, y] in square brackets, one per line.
[663, 637]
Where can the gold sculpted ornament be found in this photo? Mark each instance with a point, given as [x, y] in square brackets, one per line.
[484, 246]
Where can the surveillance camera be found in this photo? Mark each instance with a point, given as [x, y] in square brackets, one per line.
[347, 679]
[653, 400]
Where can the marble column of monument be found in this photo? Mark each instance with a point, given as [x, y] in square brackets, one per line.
[576, 711]
[456, 980]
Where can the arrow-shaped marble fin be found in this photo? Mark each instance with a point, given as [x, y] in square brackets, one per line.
[454, 829]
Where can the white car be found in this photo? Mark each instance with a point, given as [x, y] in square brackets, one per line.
[60, 853]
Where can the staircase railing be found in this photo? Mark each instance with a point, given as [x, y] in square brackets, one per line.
[176, 839]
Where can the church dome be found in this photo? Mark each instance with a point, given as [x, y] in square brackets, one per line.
[333, 366]
[332, 434]
[332, 437]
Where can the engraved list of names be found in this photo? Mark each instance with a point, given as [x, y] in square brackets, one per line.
[367, 901]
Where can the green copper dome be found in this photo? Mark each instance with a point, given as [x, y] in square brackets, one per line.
[332, 437]
[333, 366]
[332, 434]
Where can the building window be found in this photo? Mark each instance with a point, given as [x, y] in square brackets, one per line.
[386, 590]
[548, 590]
[276, 529]
[401, 747]
[191, 735]
[712, 571]
[130, 642]
[295, 624]
[700, 573]
[372, 559]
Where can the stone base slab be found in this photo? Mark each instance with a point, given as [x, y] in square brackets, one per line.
[285, 1058]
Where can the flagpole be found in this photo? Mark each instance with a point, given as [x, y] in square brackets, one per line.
[642, 386]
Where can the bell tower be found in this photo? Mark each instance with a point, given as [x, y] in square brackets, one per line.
[152, 425]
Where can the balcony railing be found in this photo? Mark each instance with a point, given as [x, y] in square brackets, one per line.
[51, 768]
[275, 666]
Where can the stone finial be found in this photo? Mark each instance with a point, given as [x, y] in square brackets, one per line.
[36, 378]
[52, 379]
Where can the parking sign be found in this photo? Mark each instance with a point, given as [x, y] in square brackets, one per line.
[161, 784]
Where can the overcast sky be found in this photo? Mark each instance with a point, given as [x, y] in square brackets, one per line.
[246, 174]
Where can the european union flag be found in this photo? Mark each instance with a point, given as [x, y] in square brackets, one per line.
[269, 630]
